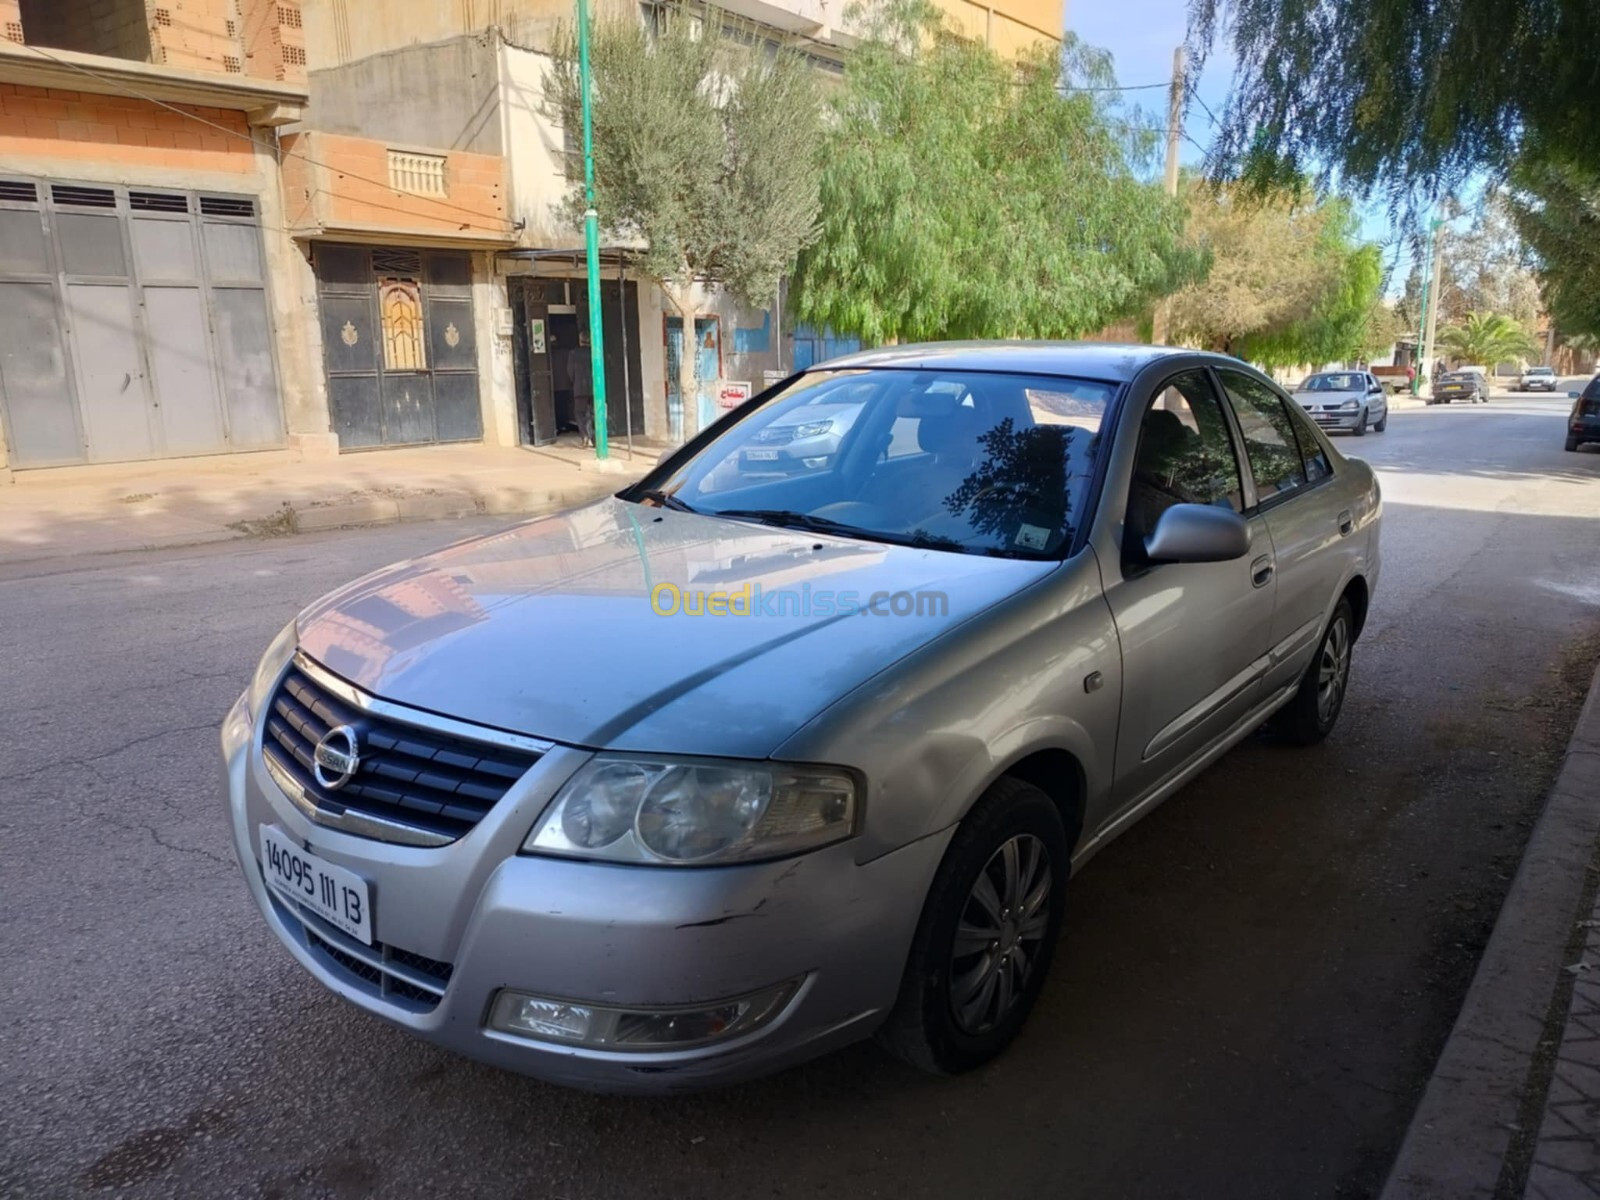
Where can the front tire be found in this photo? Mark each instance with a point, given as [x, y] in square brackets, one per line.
[1361, 429]
[1314, 711]
[988, 931]
[1380, 426]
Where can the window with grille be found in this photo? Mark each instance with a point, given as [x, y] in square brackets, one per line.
[400, 311]
[419, 174]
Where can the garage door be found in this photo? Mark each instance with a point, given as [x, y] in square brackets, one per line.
[133, 324]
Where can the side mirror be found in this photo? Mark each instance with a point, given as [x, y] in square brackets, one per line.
[1198, 533]
[1573, 395]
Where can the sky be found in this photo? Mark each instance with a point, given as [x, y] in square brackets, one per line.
[1141, 35]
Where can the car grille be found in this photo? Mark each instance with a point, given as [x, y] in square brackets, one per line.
[410, 981]
[415, 778]
[780, 435]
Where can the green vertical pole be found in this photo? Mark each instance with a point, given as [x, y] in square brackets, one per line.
[591, 241]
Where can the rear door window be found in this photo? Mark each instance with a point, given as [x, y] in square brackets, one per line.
[1270, 442]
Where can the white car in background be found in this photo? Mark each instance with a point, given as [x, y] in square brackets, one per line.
[1351, 401]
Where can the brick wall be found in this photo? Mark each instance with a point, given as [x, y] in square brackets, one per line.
[274, 40]
[116, 28]
[73, 126]
[196, 35]
[11, 20]
[341, 182]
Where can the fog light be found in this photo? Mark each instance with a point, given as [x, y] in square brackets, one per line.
[679, 1027]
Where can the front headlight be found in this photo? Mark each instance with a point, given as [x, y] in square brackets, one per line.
[1350, 405]
[812, 429]
[271, 666]
[694, 812]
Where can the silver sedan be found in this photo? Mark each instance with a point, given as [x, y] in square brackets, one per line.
[732, 769]
[1345, 401]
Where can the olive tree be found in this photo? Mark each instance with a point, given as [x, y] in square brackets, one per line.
[705, 153]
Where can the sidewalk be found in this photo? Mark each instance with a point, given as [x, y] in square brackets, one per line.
[134, 506]
[1513, 1108]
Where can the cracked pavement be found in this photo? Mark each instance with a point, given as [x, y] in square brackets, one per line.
[1252, 988]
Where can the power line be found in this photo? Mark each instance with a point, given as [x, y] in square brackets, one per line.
[132, 93]
[1116, 87]
[1205, 106]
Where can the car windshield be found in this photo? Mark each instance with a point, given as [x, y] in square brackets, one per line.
[965, 461]
[1541, 371]
[1343, 381]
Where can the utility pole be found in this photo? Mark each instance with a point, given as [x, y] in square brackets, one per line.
[1158, 330]
[1430, 298]
[591, 241]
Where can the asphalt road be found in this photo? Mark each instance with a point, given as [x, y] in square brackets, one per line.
[1252, 987]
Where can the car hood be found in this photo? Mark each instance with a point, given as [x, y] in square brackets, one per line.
[552, 628]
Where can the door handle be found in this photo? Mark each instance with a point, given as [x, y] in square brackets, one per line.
[1346, 523]
[1261, 571]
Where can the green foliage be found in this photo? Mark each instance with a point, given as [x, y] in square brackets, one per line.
[1289, 283]
[1557, 211]
[703, 151]
[1405, 98]
[964, 195]
[1488, 339]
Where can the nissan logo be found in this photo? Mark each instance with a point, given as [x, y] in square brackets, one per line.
[336, 758]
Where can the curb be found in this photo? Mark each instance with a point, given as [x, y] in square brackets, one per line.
[358, 511]
[1486, 1081]
[365, 511]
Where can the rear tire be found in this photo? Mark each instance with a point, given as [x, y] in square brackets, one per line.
[1572, 443]
[1314, 711]
[987, 934]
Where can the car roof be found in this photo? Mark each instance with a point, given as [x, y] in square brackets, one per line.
[1090, 360]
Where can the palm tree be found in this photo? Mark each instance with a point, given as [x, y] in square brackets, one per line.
[1488, 339]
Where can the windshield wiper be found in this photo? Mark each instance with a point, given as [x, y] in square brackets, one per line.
[666, 500]
[791, 519]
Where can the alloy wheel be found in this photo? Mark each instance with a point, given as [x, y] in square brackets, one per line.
[1333, 670]
[1000, 934]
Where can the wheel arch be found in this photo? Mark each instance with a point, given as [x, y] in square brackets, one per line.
[1058, 774]
[1360, 596]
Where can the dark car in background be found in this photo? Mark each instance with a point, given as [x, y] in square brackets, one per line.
[1583, 423]
[1471, 385]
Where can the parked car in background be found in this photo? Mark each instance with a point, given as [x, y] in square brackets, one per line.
[1470, 384]
[1350, 401]
[1395, 379]
[1583, 423]
[548, 820]
[1537, 379]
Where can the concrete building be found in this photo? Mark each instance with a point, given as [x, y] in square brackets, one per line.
[147, 301]
[333, 225]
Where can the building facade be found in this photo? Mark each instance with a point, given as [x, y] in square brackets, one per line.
[145, 306]
[328, 226]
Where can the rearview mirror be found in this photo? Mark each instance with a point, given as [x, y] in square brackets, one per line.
[1198, 533]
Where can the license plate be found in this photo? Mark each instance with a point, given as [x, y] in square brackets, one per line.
[761, 455]
[338, 896]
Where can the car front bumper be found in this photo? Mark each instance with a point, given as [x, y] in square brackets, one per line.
[1337, 421]
[600, 933]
